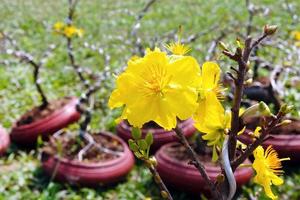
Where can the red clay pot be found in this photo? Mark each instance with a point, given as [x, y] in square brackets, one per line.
[183, 176]
[4, 140]
[28, 134]
[285, 140]
[160, 136]
[90, 174]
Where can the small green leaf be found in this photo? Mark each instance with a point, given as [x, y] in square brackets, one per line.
[138, 155]
[142, 144]
[149, 139]
[132, 145]
[136, 133]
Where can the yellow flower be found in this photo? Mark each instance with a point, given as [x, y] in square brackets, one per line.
[70, 31]
[214, 128]
[268, 168]
[177, 48]
[157, 88]
[296, 35]
[209, 92]
[58, 26]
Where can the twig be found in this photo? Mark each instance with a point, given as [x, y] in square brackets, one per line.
[164, 190]
[241, 57]
[76, 67]
[138, 48]
[212, 49]
[23, 56]
[196, 162]
[265, 131]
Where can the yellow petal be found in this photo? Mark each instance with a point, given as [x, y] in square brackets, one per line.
[210, 75]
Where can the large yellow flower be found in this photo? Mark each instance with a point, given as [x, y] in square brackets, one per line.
[210, 117]
[209, 92]
[268, 168]
[157, 88]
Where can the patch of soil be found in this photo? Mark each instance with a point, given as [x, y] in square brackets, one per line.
[292, 128]
[179, 152]
[69, 145]
[38, 113]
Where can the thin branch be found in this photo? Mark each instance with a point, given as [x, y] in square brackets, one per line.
[265, 131]
[76, 67]
[196, 162]
[164, 190]
[23, 56]
[138, 48]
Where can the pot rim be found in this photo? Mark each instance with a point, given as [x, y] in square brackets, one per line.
[65, 108]
[158, 131]
[211, 168]
[112, 162]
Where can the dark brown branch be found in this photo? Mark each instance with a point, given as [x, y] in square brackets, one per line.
[196, 162]
[265, 131]
[241, 57]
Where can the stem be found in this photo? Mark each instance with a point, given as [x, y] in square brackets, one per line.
[242, 59]
[163, 189]
[37, 84]
[78, 70]
[196, 162]
[257, 142]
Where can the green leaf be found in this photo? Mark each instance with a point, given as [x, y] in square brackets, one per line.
[149, 139]
[132, 145]
[138, 154]
[142, 144]
[136, 133]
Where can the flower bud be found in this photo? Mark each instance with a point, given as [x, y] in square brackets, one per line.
[153, 161]
[270, 29]
[164, 194]
[223, 46]
[284, 122]
[286, 109]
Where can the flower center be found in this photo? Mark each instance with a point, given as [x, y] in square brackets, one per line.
[158, 80]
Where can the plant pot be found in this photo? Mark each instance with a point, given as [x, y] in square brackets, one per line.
[285, 140]
[26, 134]
[4, 140]
[160, 136]
[183, 176]
[90, 173]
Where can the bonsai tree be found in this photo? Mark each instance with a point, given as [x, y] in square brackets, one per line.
[163, 87]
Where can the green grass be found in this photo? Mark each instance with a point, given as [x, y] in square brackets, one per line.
[108, 24]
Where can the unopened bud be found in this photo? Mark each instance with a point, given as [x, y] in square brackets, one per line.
[223, 46]
[259, 109]
[285, 122]
[264, 109]
[157, 179]
[270, 29]
[153, 161]
[164, 194]
[286, 109]
[249, 81]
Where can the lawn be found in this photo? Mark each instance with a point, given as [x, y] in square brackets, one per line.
[107, 25]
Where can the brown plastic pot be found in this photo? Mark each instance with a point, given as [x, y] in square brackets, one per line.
[285, 140]
[27, 134]
[4, 140]
[160, 136]
[90, 174]
[182, 176]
